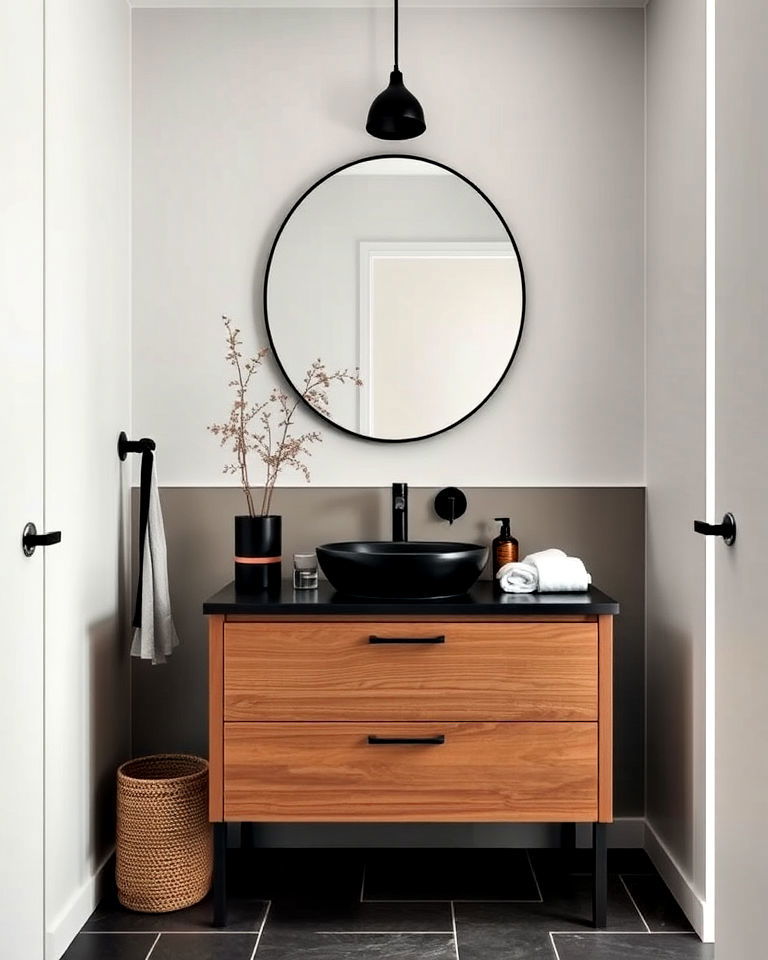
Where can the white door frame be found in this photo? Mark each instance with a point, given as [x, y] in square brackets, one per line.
[710, 451]
[22, 889]
[739, 412]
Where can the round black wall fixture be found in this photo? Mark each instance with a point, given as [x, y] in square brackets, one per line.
[450, 504]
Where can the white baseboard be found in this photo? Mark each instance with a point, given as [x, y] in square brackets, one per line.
[63, 929]
[692, 905]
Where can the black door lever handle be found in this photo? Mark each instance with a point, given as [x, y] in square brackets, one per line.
[726, 529]
[31, 539]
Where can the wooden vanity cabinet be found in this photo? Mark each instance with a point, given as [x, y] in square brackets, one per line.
[386, 718]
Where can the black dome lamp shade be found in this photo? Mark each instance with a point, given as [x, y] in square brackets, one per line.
[396, 114]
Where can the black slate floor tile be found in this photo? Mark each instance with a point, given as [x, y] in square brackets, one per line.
[568, 895]
[293, 945]
[432, 874]
[629, 861]
[204, 946]
[500, 932]
[320, 874]
[410, 917]
[110, 946]
[616, 946]
[243, 915]
[634, 862]
[316, 912]
[656, 903]
[520, 931]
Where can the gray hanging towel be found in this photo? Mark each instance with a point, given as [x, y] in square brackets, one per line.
[154, 635]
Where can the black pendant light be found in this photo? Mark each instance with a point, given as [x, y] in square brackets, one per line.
[396, 114]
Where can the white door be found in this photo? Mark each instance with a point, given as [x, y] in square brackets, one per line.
[21, 499]
[741, 474]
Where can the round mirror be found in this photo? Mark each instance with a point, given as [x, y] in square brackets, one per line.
[402, 269]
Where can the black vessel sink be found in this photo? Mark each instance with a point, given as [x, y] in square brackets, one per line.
[382, 570]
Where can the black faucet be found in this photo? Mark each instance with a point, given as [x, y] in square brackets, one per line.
[399, 512]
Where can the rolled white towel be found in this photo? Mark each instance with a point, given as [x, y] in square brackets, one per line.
[543, 555]
[558, 573]
[518, 578]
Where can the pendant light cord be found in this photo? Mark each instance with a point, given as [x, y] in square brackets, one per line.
[397, 19]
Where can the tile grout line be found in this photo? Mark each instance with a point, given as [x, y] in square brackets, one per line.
[167, 933]
[554, 946]
[434, 933]
[455, 900]
[535, 878]
[455, 934]
[381, 933]
[623, 933]
[153, 946]
[261, 929]
[634, 903]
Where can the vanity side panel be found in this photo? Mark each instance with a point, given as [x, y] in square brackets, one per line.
[216, 718]
[605, 722]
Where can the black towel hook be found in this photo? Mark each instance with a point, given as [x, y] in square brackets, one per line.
[126, 446]
[146, 448]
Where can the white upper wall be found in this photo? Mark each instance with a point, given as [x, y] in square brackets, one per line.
[236, 112]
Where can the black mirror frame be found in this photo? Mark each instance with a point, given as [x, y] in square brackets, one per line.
[273, 348]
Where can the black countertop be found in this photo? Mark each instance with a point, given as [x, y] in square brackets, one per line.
[482, 599]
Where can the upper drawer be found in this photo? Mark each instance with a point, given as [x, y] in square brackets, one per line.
[391, 671]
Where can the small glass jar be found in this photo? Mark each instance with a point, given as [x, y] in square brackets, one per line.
[305, 571]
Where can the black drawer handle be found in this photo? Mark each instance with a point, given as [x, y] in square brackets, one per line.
[375, 639]
[436, 741]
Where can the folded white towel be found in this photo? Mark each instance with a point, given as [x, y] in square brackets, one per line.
[156, 637]
[547, 571]
[518, 578]
[562, 575]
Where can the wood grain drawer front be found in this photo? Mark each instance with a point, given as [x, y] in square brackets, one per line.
[486, 671]
[482, 771]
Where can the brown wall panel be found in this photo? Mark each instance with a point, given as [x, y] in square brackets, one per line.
[603, 525]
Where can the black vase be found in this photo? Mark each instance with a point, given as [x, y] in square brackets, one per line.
[258, 554]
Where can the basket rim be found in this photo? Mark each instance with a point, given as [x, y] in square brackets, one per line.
[122, 774]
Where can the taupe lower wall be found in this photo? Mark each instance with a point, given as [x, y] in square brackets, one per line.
[605, 526]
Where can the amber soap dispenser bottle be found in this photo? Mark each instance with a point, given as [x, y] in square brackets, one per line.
[504, 548]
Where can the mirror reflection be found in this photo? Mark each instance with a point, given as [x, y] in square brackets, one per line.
[401, 268]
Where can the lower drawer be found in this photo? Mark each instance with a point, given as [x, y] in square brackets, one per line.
[350, 772]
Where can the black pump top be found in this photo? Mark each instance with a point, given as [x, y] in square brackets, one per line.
[505, 531]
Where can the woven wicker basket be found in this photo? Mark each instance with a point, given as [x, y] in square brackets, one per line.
[164, 848]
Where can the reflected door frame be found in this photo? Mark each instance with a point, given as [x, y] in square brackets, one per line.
[371, 251]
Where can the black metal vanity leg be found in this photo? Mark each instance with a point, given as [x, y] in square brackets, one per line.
[599, 876]
[219, 874]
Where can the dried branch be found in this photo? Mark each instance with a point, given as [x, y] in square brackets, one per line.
[274, 441]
